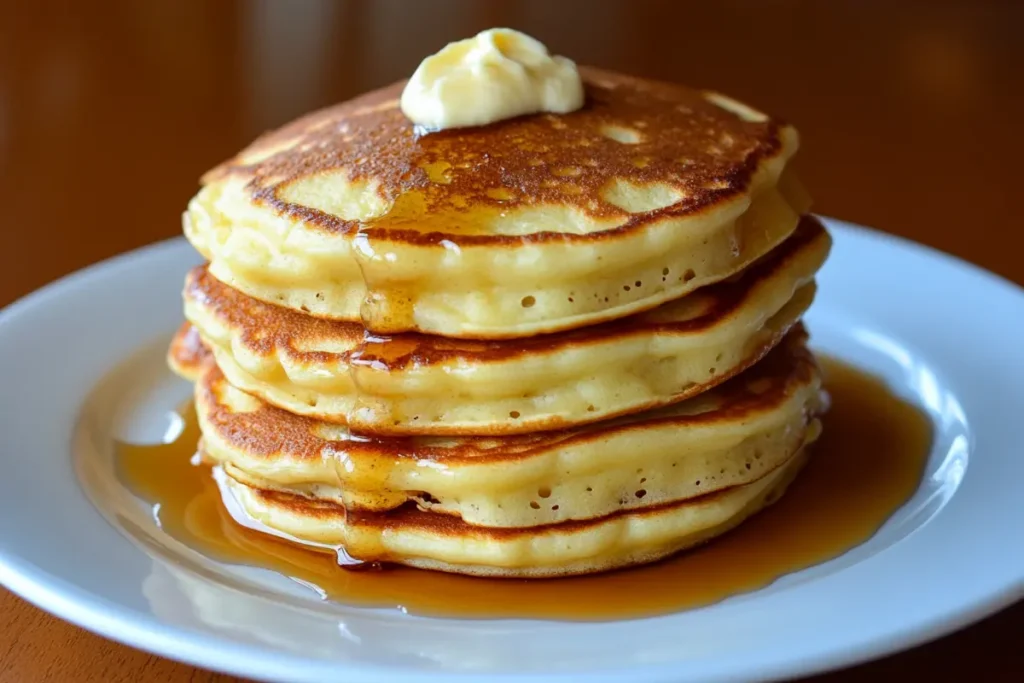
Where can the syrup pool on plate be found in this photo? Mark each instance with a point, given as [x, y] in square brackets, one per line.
[867, 463]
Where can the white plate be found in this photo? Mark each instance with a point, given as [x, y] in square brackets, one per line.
[944, 333]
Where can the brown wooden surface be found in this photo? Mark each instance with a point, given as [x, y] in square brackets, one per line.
[911, 116]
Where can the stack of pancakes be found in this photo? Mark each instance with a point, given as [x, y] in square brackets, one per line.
[553, 345]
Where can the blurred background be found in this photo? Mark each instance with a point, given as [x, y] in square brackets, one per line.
[911, 116]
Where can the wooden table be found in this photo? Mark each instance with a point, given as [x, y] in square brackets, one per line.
[911, 115]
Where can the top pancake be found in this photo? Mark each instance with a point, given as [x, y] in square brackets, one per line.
[530, 225]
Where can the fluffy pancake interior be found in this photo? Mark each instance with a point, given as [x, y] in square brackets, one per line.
[724, 437]
[416, 384]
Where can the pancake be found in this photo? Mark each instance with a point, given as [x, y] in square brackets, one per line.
[418, 538]
[417, 384]
[726, 437]
[188, 355]
[531, 225]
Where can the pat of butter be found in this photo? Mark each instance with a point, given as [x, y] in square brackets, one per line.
[498, 74]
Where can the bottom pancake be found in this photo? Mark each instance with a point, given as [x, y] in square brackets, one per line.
[429, 540]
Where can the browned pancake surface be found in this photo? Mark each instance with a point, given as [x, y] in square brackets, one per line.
[644, 131]
[268, 432]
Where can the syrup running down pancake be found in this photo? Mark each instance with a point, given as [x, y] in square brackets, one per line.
[526, 226]
[417, 384]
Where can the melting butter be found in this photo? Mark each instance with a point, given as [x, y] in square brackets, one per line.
[498, 74]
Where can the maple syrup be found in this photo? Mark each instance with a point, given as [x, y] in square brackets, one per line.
[867, 463]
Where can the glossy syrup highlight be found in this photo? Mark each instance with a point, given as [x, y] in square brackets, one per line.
[867, 463]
